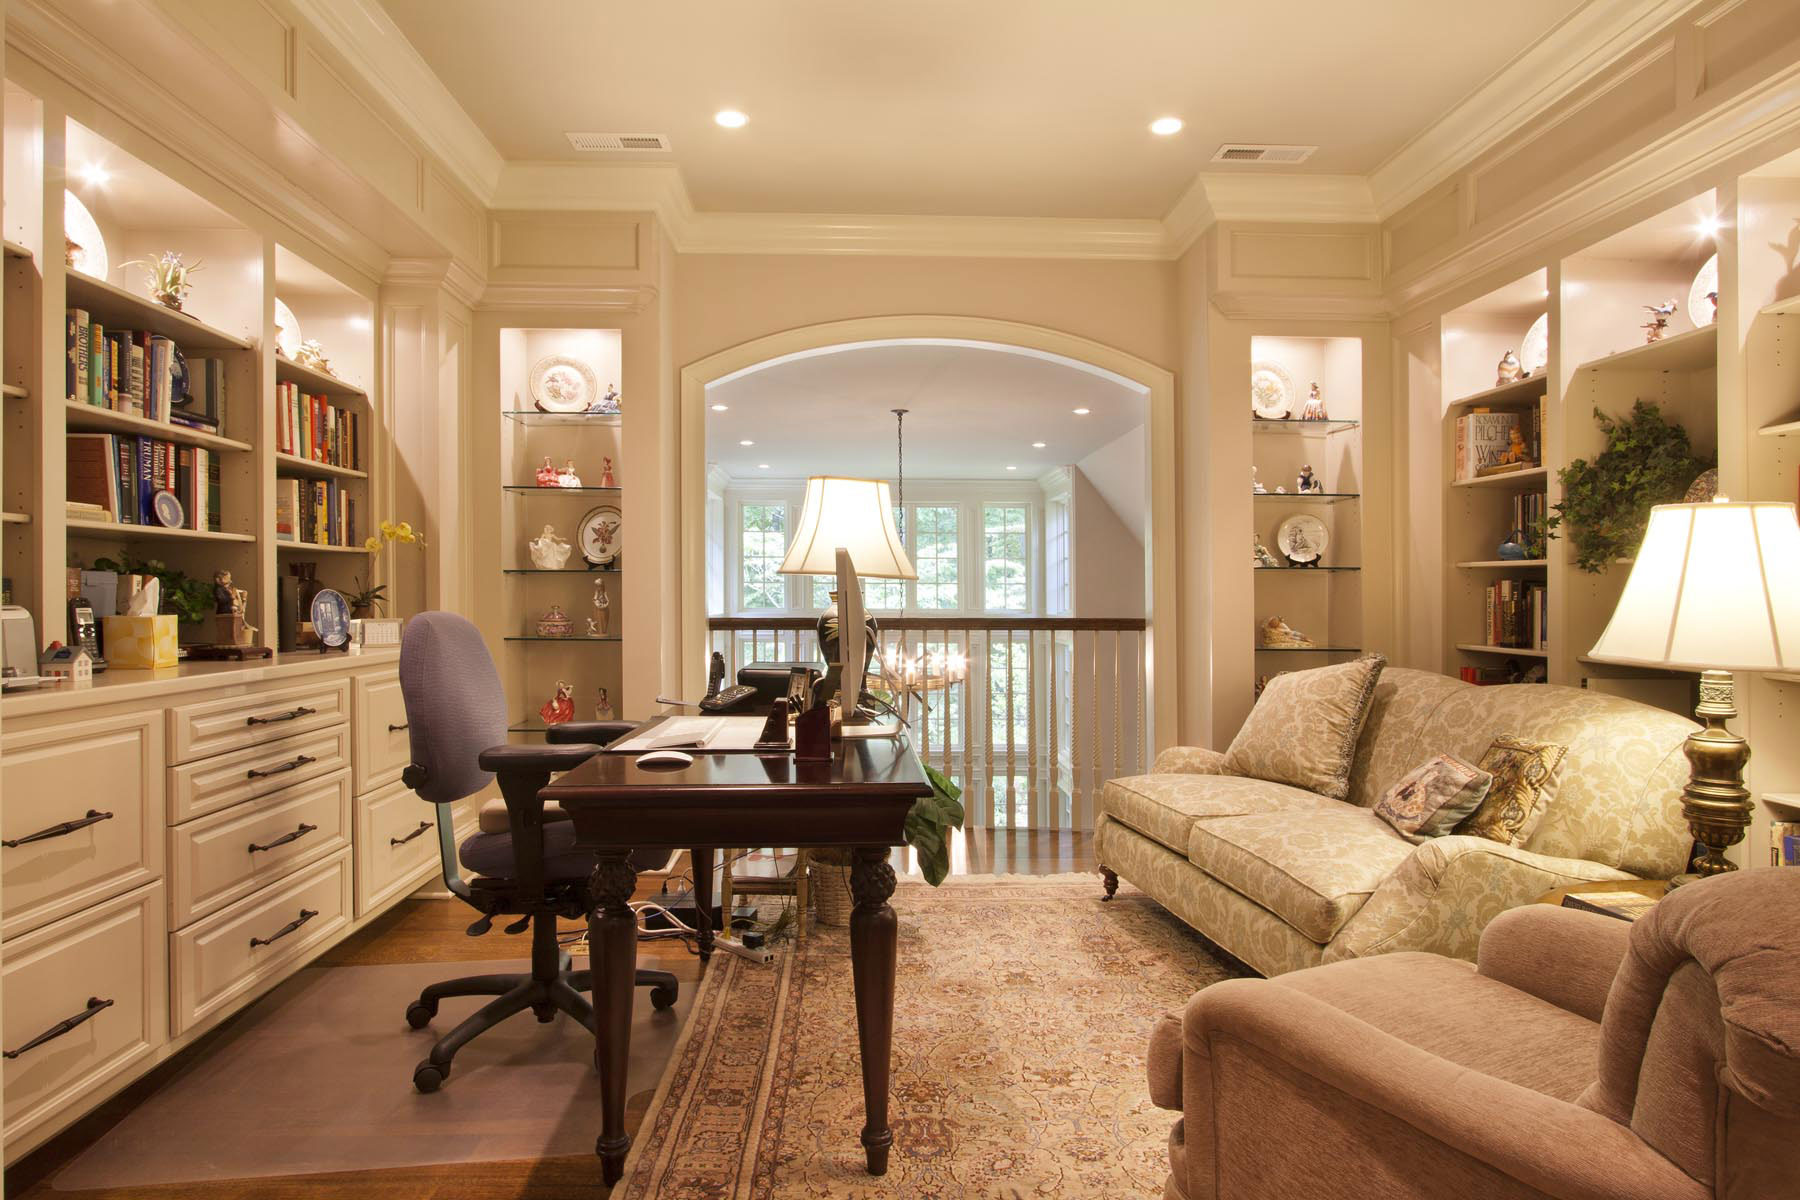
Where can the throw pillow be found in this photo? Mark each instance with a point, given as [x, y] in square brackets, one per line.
[1304, 728]
[1431, 800]
[1523, 776]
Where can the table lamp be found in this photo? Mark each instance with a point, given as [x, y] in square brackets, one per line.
[1715, 587]
[847, 529]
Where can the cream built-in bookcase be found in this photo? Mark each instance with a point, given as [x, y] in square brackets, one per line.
[1323, 602]
[230, 314]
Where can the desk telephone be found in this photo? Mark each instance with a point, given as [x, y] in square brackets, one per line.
[737, 698]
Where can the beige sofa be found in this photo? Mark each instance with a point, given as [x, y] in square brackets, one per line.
[1283, 878]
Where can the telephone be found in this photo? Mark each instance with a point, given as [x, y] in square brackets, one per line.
[738, 698]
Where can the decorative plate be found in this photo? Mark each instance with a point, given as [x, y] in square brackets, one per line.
[331, 617]
[1303, 537]
[560, 384]
[1702, 311]
[1271, 391]
[79, 226]
[287, 330]
[179, 394]
[167, 507]
[1534, 351]
[598, 534]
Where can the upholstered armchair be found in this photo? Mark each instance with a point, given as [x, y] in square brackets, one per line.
[1580, 1057]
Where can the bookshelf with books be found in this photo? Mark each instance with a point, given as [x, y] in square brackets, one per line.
[22, 116]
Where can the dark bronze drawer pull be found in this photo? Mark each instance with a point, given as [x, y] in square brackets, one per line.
[285, 838]
[289, 715]
[423, 826]
[290, 765]
[95, 1006]
[399, 727]
[94, 817]
[306, 914]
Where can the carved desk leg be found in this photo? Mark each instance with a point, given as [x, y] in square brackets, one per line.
[873, 952]
[612, 951]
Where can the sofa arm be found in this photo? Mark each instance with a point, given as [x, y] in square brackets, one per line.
[1560, 955]
[1189, 760]
[1259, 1053]
[1443, 895]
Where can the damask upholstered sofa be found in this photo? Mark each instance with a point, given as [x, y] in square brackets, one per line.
[1284, 878]
[1582, 1056]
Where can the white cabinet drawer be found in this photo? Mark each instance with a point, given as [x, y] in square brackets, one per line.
[396, 839]
[110, 962]
[230, 955]
[228, 855]
[234, 722]
[89, 797]
[217, 783]
[383, 744]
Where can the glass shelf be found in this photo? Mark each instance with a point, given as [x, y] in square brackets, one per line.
[528, 489]
[1315, 497]
[530, 416]
[560, 571]
[1305, 570]
[1296, 425]
[580, 637]
[1308, 649]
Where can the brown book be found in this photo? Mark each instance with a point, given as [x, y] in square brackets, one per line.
[1627, 906]
[90, 472]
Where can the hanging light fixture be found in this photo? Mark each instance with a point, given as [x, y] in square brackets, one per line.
[931, 670]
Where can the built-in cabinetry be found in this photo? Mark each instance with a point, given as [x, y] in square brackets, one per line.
[175, 846]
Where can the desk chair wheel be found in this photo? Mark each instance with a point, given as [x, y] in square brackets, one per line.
[428, 1076]
[419, 1014]
[663, 996]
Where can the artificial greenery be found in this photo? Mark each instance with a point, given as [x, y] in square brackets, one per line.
[929, 823]
[1606, 503]
[189, 599]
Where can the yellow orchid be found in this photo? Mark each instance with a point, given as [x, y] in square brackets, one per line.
[372, 544]
[393, 531]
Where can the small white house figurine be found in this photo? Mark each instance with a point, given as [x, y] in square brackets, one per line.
[1315, 406]
[548, 551]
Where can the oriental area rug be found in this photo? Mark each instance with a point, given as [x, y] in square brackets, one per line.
[1023, 1009]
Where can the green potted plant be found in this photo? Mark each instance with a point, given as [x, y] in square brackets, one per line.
[191, 600]
[1606, 503]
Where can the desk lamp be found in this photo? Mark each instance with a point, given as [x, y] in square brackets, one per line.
[1715, 587]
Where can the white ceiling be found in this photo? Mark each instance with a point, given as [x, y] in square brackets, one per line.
[973, 412]
[944, 107]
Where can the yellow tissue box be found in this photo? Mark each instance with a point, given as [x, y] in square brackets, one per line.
[141, 642]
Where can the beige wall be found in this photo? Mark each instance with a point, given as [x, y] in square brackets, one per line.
[1109, 556]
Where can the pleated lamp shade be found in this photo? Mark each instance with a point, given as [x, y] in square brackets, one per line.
[853, 514]
[1715, 586]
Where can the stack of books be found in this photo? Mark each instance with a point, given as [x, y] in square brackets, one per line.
[1784, 843]
[138, 373]
[1528, 512]
[313, 428]
[1484, 438]
[117, 476]
[316, 512]
[1517, 614]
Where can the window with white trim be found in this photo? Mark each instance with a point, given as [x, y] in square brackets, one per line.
[1006, 567]
[762, 533]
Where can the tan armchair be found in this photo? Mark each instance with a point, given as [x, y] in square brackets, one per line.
[1580, 1058]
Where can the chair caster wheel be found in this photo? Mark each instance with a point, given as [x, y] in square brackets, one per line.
[419, 1014]
[545, 1013]
[662, 997]
[429, 1076]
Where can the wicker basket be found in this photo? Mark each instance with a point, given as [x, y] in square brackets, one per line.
[830, 887]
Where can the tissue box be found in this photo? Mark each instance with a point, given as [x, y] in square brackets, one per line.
[141, 642]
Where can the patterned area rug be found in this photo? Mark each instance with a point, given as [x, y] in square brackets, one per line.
[1022, 1013]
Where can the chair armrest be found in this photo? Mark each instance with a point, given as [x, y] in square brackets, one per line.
[522, 771]
[1443, 895]
[594, 733]
[1189, 760]
[1557, 954]
[1163, 1062]
[1302, 1046]
[502, 759]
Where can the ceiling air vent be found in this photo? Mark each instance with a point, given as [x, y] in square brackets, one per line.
[613, 143]
[1244, 152]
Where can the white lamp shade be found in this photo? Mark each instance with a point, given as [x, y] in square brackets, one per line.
[852, 514]
[1714, 587]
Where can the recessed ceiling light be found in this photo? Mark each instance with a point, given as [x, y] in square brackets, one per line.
[94, 175]
[762, 466]
[1010, 467]
[746, 442]
[1037, 445]
[1710, 226]
[1165, 126]
[720, 407]
[730, 118]
[1081, 412]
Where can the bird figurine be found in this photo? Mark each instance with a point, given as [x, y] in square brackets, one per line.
[1511, 370]
[1658, 324]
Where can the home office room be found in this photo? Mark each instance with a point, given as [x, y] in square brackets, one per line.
[964, 599]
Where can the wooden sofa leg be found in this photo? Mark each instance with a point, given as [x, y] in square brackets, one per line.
[1111, 880]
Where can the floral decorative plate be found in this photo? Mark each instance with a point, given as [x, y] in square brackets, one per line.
[1302, 537]
[560, 384]
[1701, 310]
[331, 617]
[598, 534]
[1534, 351]
[1271, 391]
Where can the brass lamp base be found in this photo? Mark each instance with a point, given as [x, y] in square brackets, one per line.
[1715, 802]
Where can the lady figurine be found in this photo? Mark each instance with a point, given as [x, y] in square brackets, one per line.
[1256, 485]
[606, 474]
[603, 603]
[560, 707]
[1315, 406]
[608, 403]
[1306, 482]
[548, 475]
[548, 551]
[603, 709]
[567, 476]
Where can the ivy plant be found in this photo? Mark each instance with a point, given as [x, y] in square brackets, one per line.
[188, 598]
[1606, 503]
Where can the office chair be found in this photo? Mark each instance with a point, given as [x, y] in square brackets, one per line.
[456, 714]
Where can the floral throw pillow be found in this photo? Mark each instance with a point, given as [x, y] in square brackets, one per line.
[1524, 777]
[1304, 728]
[1431, 800]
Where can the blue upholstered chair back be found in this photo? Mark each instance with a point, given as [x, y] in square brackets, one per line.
[455, 706]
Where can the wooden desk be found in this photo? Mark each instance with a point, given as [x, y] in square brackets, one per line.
[860, 798]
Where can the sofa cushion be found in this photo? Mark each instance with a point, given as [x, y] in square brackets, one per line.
[1165, 807]
[1524, 782]
[1304, 728]
[1314, 869]
[1433, 798]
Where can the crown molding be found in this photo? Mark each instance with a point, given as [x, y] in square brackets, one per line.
[1290, 198]
[449, 274]
[1592, 38]
[1278, 306]
[583, 296]
[365, 36]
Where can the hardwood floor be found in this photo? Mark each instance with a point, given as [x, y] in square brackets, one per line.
[433, 931]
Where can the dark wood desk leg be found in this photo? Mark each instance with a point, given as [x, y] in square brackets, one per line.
[612, 950]
[700, 861]
[873, 942]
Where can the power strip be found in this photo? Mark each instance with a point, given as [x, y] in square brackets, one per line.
[762, 955]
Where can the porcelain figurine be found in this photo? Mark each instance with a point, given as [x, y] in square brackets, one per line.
[1315, 406]
[548, 551]
[1307, 483]
[593, 629]
[606, 474]
[1277, 633]
[548, 475]
[603, 709]
[1256, 484]
[312, 355]
[1511, 370]
[560, 707]
[603, 605]
[555, 623]
[1264, 556]
[567, 476]
[1658, 324]
[607, 403]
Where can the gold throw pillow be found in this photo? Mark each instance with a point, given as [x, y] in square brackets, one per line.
[1524, 774]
